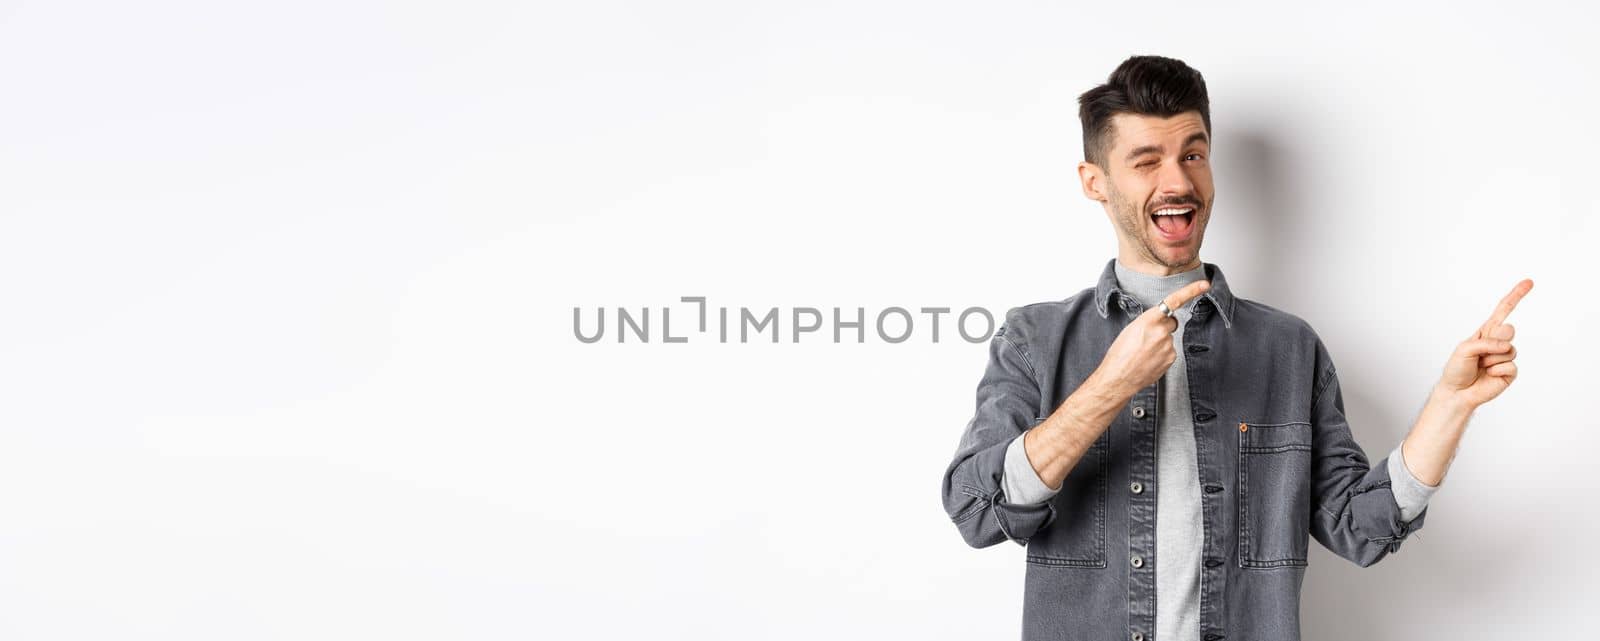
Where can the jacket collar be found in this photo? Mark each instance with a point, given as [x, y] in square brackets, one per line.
[1220, 297]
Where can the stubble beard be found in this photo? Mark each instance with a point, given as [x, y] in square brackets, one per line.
[1135, 223]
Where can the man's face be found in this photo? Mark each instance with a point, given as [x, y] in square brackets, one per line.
[1156, 164]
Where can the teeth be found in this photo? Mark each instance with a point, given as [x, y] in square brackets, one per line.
[1173, 212]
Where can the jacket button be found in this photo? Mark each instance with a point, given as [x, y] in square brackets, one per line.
[1136, 487]
[1138, 411]
[1138, 636]
[1213, 489]
[1137, 561]
[1201, 417]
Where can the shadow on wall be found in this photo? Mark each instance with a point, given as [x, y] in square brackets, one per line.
[1437, 567]
[1255, 190]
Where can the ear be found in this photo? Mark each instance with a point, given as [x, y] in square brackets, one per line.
[1092, 178]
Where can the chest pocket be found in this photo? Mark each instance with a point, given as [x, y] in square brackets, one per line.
[1274, 493]
[1077, 538]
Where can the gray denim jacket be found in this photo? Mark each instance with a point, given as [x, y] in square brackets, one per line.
[1277, 466]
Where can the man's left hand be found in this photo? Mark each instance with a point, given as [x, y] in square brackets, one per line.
[1483, 365]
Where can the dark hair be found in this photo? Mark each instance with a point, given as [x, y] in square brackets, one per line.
[1147, 85]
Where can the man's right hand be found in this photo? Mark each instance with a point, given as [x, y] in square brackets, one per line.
[1143, 351]
[1139, 356]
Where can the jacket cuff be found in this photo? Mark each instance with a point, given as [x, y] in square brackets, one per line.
[1019, 480]
[1410, 494]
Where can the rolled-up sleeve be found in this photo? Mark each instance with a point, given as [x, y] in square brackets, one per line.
[1355, 513]
[1410, 493]
[974, 494]
[1020, 481]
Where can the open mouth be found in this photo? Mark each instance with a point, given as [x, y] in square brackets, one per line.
[1174, 223]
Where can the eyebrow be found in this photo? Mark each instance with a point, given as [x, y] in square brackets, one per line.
[1198, 136]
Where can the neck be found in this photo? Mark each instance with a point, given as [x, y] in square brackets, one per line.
[1150, 289]
[1144, 265]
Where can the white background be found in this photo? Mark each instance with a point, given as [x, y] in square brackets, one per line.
[286, 349]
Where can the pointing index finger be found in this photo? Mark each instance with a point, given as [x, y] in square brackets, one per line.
[1507, 304]
[1187, 293]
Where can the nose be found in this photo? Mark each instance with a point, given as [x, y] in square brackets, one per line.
[1173, 183]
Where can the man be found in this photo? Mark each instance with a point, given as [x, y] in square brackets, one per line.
[1164, 448]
